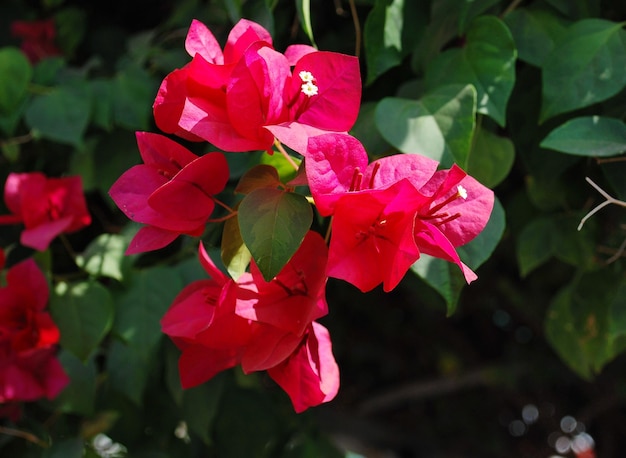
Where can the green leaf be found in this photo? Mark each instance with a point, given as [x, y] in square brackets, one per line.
[286, 171]
[84, 314]
[68, 448]
[586, 66]
[487, 61]
[304, 15]
[133, 94]
[259, 176]
[578, 325]
[79, 396]
[534, 244]
[16, 74]
[491, 158]
[470, 9]
[439, 125]
[235, 254]
[594, 136]
[102, 92]
[445, 277]
[104, 257]
[615, 173]
[61, 115]
[390, 34]
[70, 28]
[200, 406]
[273, 224]
[535, 32]
[365, 130]
[137, 325]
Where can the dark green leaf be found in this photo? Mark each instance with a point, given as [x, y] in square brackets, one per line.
[61, 115]
[200, 406]
[133, 94]
[129, 369]
[439, 125]
[535, 245]
[578, 324]
[615, 173]
[273, 224]
[102, 92]
[446, 278]
[78, 397]
[84, 314]
[259, 176]
[68, 448]
[586, 66]
[487, 61]
[594, 136]
[471, 9]
[16, 74]
[105, 256]
[535, 32]
[365, 130]
[390, 33]
[491, 158]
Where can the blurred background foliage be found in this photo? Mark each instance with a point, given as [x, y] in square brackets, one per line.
[527, 96]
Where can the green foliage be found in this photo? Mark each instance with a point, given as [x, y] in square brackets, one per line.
[527, 97]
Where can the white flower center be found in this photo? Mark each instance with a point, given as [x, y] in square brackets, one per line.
[306, 77]
[309, 88]
[462, 192]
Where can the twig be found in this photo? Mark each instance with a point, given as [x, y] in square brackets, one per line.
[357, 28]
[30, 437]
[609, 200]
[286, 155]
[514, 4]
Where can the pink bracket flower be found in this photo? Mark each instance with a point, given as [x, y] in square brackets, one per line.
[220, 323]
[29, 369]
[172, 192]
[47, 207]
[38, 38]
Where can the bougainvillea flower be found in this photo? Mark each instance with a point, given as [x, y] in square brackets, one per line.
[207, 74]
[45, 206]
[171, 192]
[454, 209]
[310, 376]
[242, 100]
[220, 323]
[337, 164]
[37, 38]
[29, 369]
[373, 236]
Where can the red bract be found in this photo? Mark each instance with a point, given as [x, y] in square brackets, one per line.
[29, 369]
[220, 323]
[172, 192]
[38, 38]
[242, 100]
[372, 240]
[46, 206]
[380, 226]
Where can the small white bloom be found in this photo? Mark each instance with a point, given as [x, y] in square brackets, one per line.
[462, 192]
[309, 89]
[306, 77]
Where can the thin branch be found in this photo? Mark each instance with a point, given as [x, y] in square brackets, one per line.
[30, 437]
[357, 28]
[514, 4]
[609, 200]
[285, 154]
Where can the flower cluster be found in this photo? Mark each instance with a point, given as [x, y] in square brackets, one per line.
[249, 96]
[37, 38]
[47, 207]
[29, 369]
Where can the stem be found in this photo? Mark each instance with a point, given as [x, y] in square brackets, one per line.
[608, 160]
[609, 200]
[357, 28]
[68, 246]
[514, 4]
[329, 230]
[286, 155]
[18, 140]
[222, 219]
[223, 205]
[30, 437]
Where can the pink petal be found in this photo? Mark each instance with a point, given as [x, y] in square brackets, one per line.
[242, 35]
[150, 238]
[337, 104]
[210, 267]
[331, 163]
[170, 102]
[28, 276]
[200, 40]
[179, 200]
[198, 364]
[255, 94]
[189, 314]
[162, 153]
[295, 135]
[269, 347]
[391, 169]
[311, 375]
[294, 53]
[39, 237]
